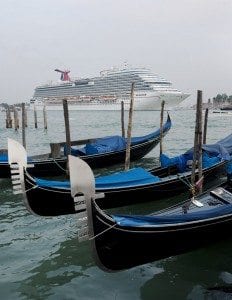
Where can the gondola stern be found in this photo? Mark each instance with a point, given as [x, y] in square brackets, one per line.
[169, 119]
[167, 126]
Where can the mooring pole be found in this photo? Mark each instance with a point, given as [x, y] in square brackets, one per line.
[129, 129]
[45, 117]
[8, 117]
[7, 122]
[35, 116]
[67, 127]
[200, 141]
[16, 118]
[25, 118]
[205, 125]
[23, 125]
[193, 175]
[161, 126]
[197, 150]
[122, 119]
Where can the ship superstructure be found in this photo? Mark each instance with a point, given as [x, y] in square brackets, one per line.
[105, 92]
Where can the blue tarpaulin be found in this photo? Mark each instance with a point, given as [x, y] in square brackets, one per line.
[212, 154]
[107, 144]
[181, 161]
[3, 158]
[114, 143]
[52, 183]
[136, 220]
[132, 177]
[229, 168]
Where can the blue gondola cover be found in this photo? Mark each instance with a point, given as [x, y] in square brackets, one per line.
[3, 158]
[132, 177]
[113, 143]
[136, 220]
[212, 154]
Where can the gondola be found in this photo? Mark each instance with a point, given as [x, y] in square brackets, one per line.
[100, 153]
[53, 197]
[121, 242]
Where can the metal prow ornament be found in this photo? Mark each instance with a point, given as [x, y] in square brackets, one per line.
[17, 159]
[82, 183]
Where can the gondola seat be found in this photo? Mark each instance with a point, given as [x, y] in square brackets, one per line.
[222, 194]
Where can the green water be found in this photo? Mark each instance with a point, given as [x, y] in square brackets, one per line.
[40, 258]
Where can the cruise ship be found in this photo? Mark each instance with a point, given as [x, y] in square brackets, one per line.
[108, 90]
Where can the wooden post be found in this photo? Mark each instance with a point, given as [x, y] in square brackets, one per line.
[200, 141]
[8, 117]
[7, 122]
[161, 126]
[35, 116]
[122, 119]
[193, 175]
[67, 128]
[205, 125]
[45, 117]
[23, 126]
[55, 150]
[25, 119]
[16, 118]
[197, 139]
[127, 160]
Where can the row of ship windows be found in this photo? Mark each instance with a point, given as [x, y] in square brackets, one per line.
[106, 91]
[92, 94]
[116, 85]
[97, 89]
[106, 82]
[134, 78]
[119, 80]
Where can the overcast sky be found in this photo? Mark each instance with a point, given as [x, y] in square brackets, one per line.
[189, 42]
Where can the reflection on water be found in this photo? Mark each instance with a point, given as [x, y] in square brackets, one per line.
[192, 275]
[70, 261]
[40, 257]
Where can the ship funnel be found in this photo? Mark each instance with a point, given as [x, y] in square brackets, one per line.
[64, 75]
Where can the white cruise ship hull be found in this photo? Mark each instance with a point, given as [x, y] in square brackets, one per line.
[151, 102]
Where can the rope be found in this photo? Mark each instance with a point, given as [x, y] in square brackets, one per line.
[190, 184]
[43, 188]
[100, 233]
[64, 170]
[186, 181]
[33, 187]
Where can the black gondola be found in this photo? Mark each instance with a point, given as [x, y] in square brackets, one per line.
[123, 241]
[52, 197]
[46, 197]
[48, 166]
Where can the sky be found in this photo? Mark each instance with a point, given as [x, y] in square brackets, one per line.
[188, 42]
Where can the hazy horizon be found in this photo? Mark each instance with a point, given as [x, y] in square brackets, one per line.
[187, 42]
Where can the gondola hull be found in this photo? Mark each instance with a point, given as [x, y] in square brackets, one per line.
[120, 248]
[51, 167]
[51, 201]
[55, 167]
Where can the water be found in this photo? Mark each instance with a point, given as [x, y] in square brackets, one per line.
[40, 258]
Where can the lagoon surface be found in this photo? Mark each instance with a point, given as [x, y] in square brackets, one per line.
[40, 258]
